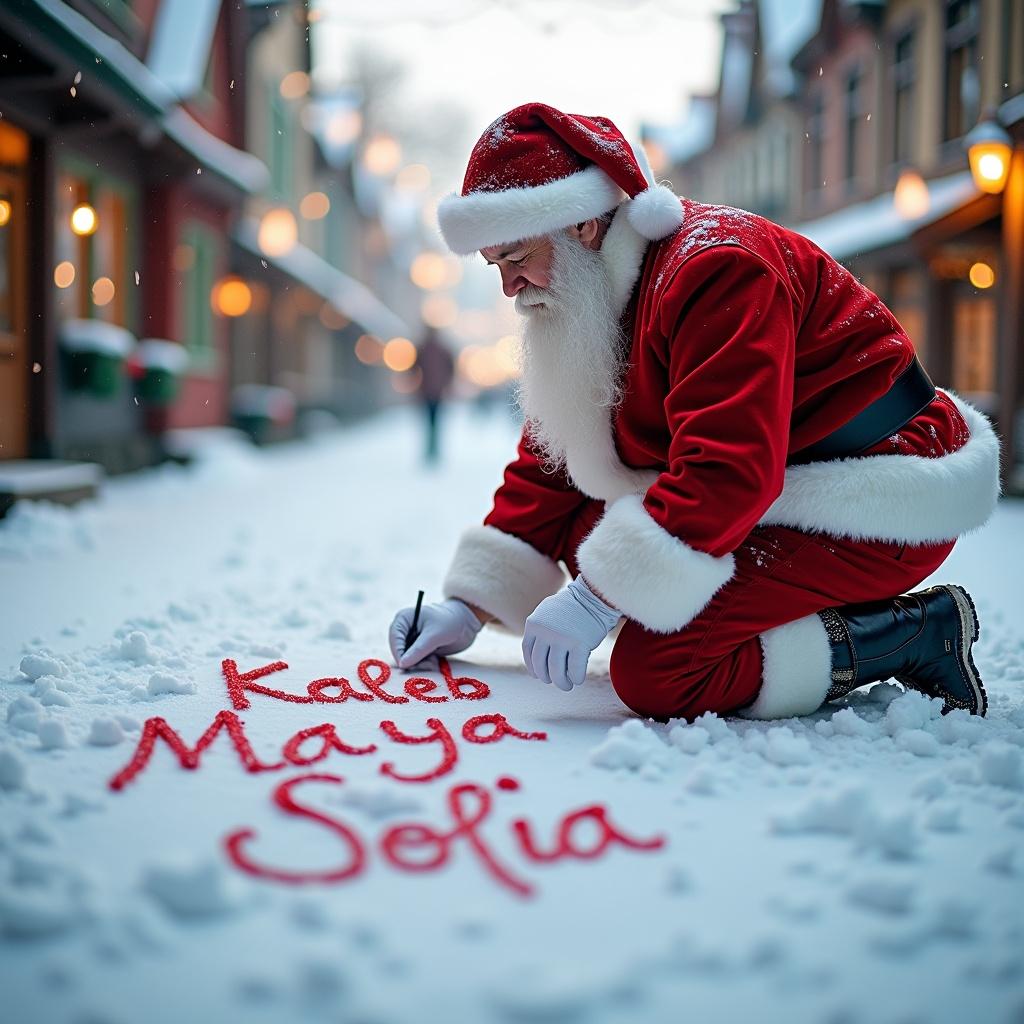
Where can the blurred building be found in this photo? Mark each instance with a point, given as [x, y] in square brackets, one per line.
[847, 121]
[169, 227]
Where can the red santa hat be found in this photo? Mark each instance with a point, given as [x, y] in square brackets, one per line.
[536, 170]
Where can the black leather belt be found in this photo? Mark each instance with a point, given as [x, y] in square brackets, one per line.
[911, 392]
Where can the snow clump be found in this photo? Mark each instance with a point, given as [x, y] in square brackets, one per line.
[160, 683]
[135, 647]
[631, 745]
[34, 666]
[105, 732]
[190, 889]
[12, 770]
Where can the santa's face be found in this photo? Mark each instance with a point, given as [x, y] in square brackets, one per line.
[522, 265]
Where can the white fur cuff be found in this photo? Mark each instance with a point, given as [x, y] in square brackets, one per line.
[797, 670]
[647, 573]
[502, 574]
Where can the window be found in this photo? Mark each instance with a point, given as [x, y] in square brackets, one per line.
[963, 85]
[96, 278]
[196, 257]
[903, 75]
[854, 116]
[974, 344]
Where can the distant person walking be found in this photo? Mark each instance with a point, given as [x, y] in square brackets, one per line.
[437, 368]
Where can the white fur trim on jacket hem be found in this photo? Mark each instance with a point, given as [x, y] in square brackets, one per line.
[907, 498]
[482, 219]
[797, 670]
[648, 574]
[501, 574]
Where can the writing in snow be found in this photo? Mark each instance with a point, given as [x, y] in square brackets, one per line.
[582, 834]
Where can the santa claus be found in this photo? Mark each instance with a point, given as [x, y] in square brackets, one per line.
[729, 446]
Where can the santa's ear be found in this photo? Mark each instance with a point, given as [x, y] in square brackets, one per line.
[589, 233]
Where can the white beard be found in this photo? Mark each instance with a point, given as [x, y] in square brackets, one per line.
[572, 354]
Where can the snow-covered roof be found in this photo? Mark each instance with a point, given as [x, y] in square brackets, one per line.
[114, 61]
[875, 223]
[242, 169]
[785, 26]
[352, 298]
[57, 19]
[179, 50]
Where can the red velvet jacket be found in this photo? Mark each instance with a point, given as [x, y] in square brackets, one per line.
[748, 344]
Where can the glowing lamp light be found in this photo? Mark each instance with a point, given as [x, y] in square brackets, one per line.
[294, 85]
[84, 220]
[988, 151]
[413, 178]
[64, 274]
[399, 355]
[5, 213]
[278, 232]
[981, 275]
[315, 206]
[439, 311]
[231, 296]
[428, 271]
[382, 155]
[102, 291]
[369, 350]
[343, 127]
[911, 197]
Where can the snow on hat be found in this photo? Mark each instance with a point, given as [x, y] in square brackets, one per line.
[536, 170]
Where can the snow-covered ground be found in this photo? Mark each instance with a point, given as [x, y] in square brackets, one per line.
[862, 865]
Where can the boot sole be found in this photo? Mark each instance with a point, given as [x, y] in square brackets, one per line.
[970, 630]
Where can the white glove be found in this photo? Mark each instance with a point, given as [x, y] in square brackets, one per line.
[562, 631]
[445, 628]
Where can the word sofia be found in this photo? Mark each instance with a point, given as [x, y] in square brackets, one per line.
[583, 834]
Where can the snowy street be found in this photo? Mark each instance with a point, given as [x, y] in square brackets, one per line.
[484, 849]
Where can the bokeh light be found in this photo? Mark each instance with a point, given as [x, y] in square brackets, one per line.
[84, 220]
[369, 350]
[278, 232]
[64, 274]
[295, 85]
[102, 291]
[981, 275]
[399, 354]
[315, 206]
[231, 296]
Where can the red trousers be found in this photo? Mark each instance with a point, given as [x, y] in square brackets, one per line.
[714, 663]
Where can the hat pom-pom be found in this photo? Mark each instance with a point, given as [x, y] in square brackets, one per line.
[656, 212]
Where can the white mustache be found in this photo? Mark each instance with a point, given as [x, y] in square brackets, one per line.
[531, 297]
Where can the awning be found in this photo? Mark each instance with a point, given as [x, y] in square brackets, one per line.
[58, 28]
[97, 55]
[347, 295]
[875, 224]
[241, 169]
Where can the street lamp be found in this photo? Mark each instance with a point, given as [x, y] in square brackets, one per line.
[988, 150]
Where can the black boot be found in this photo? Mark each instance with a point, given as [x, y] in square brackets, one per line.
[922, 639]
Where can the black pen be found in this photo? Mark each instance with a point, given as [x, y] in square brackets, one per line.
[414, 629]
